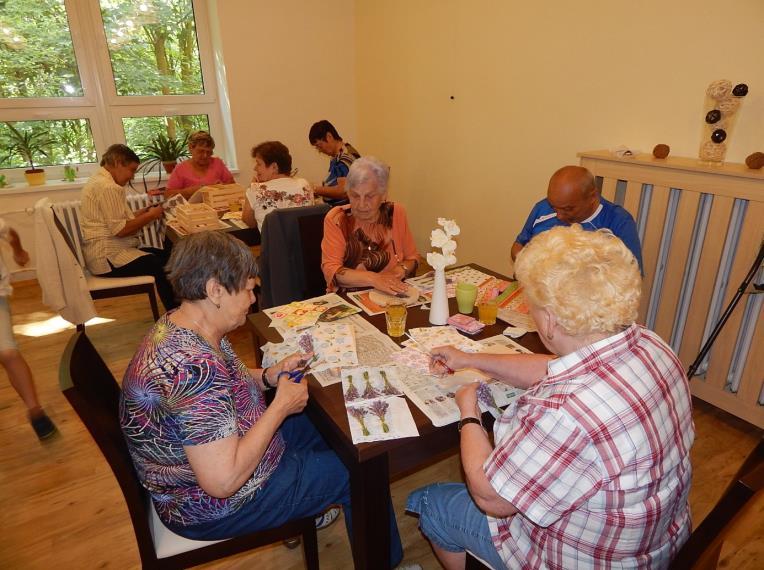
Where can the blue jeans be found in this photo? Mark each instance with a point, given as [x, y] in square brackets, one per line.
[449, 518]
[309, 478]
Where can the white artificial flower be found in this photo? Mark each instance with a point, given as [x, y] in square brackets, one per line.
[436, 260]
[438, 237]
[451, 259]
[451, 228]
[449, 247]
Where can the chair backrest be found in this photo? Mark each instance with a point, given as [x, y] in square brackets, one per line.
[150, 235]
[704, 545]
[67, 215]
[89, 386]
[282, 267]
[311, 235]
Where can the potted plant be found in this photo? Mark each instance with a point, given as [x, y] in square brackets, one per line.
[164, 150]
[28, 144]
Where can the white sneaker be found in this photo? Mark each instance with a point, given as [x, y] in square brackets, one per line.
[329, 516]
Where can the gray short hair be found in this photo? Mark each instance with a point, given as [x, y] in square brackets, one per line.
[119, 154]
[209, 255]
[366, 169]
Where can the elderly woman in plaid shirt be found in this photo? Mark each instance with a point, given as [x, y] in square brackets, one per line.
[591, 465]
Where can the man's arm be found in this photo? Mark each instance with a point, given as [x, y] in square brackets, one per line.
[335, 192]
[143, 218]
[516, 247]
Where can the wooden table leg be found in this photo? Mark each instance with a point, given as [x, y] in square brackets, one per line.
[370, 502]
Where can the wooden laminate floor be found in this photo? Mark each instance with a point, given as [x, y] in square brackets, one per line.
[61, 507]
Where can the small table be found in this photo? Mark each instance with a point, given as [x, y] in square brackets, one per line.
[373, 465]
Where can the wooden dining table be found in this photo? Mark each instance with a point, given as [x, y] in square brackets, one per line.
[373, 465]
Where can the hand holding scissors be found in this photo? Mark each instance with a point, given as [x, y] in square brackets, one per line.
[297, 374]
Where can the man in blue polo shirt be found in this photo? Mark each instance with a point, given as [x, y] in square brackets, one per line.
[573, 198]
[325, 138]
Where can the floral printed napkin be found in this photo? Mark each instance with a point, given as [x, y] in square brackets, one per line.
[334, 343]
[375, 412]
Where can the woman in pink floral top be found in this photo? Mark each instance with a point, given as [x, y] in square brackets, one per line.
[202, 169]
[273, 186]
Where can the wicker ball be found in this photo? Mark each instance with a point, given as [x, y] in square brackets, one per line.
[729, 106]
[713, 152]
[755, 160]
[661, 150]
[719, 89]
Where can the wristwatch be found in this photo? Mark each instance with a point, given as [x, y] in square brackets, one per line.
[464, 421]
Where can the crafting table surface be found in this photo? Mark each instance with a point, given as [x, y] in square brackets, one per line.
[327, 405]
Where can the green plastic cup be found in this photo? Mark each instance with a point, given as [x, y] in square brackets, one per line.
[466, 293]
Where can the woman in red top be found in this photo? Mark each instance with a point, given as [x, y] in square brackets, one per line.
[202, 169]
[368, 243]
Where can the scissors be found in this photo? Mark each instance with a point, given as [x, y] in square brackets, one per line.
[297, 374]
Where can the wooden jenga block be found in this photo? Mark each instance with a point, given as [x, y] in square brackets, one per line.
[220, 196]
[197, 217]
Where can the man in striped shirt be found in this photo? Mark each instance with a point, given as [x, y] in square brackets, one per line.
[591, 465]
[325, 138]
[109, 227]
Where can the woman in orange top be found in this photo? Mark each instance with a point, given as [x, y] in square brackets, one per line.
[368, 243]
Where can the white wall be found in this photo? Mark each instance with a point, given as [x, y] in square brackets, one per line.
[533, 83]
[288, 64]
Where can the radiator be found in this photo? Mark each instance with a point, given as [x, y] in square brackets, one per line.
[701, 228]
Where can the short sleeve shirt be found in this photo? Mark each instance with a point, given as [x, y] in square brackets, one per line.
[608, 215]
[339, 166]
[184, 176]
[595, 457]
[178, 391]
[103, 213]
[264, 197]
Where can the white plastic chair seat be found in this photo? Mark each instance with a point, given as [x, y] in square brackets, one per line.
[96, 283]
[167, 543]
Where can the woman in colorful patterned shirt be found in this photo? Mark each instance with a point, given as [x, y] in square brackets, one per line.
[216, 460]
[273, 185]
[591, 465]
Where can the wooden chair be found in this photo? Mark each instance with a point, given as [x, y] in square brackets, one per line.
[283, 272]
[66, 215]
[702, 549]
[311, 235]
[90, 388]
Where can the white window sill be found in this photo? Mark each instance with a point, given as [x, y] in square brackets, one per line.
[60, 185]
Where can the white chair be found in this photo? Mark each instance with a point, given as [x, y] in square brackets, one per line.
[68, 223]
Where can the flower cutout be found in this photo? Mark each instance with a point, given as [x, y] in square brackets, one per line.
[441, 238]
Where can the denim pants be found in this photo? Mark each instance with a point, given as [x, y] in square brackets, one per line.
[451, 520]
[309, 478]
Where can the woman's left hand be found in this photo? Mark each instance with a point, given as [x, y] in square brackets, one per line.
[467, 400]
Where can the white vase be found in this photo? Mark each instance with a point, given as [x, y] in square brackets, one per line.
[439, 302]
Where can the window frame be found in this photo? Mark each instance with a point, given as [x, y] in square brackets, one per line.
[100, 103]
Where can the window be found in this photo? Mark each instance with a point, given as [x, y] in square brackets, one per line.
[90, 73]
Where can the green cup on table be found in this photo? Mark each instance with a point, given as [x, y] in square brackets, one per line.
[466, 293]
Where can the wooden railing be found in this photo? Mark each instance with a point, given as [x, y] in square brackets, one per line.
[701, 227]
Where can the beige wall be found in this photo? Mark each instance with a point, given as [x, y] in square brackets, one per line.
[532, 84]
[288, 64]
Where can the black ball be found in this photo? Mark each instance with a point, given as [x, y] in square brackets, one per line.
[740, 90]
[713, 116]
[719, 135]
